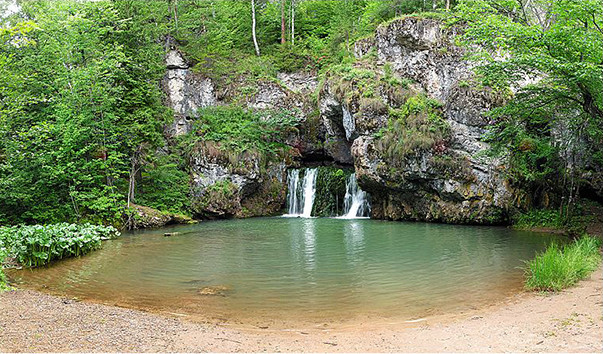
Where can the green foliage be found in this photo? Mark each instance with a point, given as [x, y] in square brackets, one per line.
[539, 218]
[77, 98]
[238, 129]
[217, 34]
[37, 245]
[417, 126]
[562, 266]
[3, 254]
[551, 129]
[330, 191]
[164, 185]
[362, 79]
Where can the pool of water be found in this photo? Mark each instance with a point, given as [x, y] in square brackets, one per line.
[294, 269]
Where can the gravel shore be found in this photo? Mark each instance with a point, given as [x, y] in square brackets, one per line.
[570, 321]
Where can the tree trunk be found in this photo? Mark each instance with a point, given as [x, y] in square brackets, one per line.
[435, 4]
[132, 182]
[255, 39]
[292, 22]
[447, 5]
[283, 22]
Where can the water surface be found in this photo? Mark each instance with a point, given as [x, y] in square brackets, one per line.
[294, 269]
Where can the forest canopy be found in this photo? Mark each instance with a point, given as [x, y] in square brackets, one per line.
[82, 111]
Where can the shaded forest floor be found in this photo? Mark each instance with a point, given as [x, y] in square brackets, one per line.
[569, 321]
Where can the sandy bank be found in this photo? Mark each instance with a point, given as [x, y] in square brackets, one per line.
[570, 321]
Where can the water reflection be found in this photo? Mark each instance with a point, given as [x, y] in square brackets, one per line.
[309, 230]
[296, 267]
[354, 239]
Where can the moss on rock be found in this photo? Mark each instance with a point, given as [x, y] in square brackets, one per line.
[330, 191]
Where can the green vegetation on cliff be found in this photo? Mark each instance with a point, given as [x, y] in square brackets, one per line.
[416, 126]
[330, 191]
[551, 128]
[238, 129]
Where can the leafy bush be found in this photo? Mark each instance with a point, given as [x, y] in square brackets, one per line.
[561, 266]
[37, 245]
[539, 218]
[3, 285]
[417, 126]
[164, 185]
[238, 129]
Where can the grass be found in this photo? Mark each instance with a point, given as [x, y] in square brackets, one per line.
[562, 266]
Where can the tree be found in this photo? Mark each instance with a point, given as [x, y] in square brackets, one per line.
[292, 22]
[552, 128]
[283, 22]
[253, 23]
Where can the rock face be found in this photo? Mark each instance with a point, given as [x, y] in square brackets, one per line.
[235, 186]
[186, 93]
[405, 115]
[224, 183]
[448, 181]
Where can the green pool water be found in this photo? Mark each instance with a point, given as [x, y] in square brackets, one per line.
[294, 269]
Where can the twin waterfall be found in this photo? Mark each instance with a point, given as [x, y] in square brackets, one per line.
[302, 190]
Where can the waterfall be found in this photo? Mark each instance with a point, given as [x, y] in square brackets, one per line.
[300, 194]
[356, 202]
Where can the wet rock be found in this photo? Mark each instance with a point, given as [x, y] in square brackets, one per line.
[215, 290]
[146, 217]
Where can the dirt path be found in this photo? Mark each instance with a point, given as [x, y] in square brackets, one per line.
[571, 321]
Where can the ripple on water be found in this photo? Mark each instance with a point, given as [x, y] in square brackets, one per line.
[291, 269]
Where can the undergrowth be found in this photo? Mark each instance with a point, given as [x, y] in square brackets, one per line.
[3, 282]
[238, 129]
[562, 266]
[539, 218]
[417, 126]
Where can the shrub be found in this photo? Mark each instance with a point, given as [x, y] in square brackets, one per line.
[562, 266]
[239, 130]
[539, 218]
[3, 284]
[37, 245]
[165, 185]
[417, 126]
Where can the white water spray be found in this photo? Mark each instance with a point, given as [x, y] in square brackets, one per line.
[300, 194]
[355, 204]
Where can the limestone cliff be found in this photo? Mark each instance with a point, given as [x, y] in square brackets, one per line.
[406, 115]
[433, 167]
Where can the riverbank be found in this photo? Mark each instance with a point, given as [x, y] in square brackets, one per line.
[569, 321]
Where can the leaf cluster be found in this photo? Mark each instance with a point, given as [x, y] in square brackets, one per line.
[37, 245]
